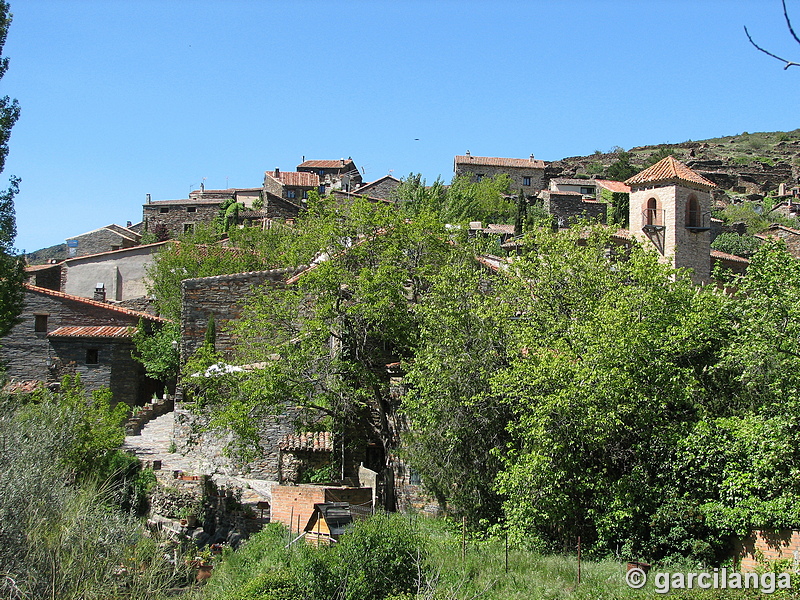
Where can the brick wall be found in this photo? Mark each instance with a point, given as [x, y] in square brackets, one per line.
[292, 501]
[769, 546]
[223, 296]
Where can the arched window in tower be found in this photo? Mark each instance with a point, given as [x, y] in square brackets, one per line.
[651, 217]
[693, 218]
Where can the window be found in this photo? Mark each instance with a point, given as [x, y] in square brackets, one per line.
[479, 176]
[526, 181]
[693, 213]
[188, 227]
[40, 323]
[92, 356]
[651, 213]
[305, 194]
[164, 210]
[587, 191]
[291, 193]
[191, 209]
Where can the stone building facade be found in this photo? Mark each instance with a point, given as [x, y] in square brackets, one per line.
[59, 334]
[380, 188]
[527, 174]
[670, 211]
[567, 207]
[224, 297]
[789, 235]
[292, 185]
[179, 216]
[106, 239]
[339, 174]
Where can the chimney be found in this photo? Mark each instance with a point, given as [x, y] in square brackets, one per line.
[100, 292]
[277, 173]
[467, 152]
[531, 156]
[148, 198]
[128, 224]
[203, 186]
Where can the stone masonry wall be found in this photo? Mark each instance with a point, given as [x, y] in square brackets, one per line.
[567, 208]
[102, 240]
[516, 174]
[25, 352]
[178, 215]
[224, 297]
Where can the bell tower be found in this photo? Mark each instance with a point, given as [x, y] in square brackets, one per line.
[670, 211]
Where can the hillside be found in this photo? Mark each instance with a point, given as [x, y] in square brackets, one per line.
[748, 166]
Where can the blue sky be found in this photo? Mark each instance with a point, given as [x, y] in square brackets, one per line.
[124, 98]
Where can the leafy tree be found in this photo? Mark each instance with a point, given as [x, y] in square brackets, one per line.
[658, 155]
[157, 350]
[733, 243]
[621, 169]
[415, 196]
[12, 268]
[210, 337]
[486, 200]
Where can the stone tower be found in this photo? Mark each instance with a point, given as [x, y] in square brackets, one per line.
[670, 210]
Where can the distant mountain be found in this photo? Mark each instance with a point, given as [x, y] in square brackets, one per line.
[40, 257]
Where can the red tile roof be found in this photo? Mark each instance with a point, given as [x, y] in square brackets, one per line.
[493, 161]
[669, 169]
[326, 164]
[296, 178]
[106, 305]
[316, 441]
[729, 257]
[104, 331]
[613, 186]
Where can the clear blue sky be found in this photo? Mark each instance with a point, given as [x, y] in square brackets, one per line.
[124, 98]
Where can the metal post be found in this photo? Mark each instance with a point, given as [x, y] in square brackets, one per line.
[506, 550]
[579, 560]
[463, 538]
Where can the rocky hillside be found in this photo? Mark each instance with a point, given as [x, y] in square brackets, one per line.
[747, 166]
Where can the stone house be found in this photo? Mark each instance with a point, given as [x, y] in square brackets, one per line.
[60, 333]
[527, 174]
[567, 207]
[292, 185]
[789, 235]
[380, 188]
[105, 239]
[585, 187]
[333, 174]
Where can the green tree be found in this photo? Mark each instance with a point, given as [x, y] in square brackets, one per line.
[621, 169]
[12, 268]
[733, 243]
[156, 347]
[487, 200]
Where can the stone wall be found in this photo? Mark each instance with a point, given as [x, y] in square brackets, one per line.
[515, 173]
[790, 236]
[101, 240]
[568, 207]
[179, 214]
[25, 352]
[279, 208]
[224, 297]
[383, 188]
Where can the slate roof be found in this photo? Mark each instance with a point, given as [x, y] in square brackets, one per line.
[105, 305]
[729, 257]
[570, 181]
[336, 514]
[494, 161]
[103, 331]
[110, 252]
[309, 441]
[186, 202]
[669, 169]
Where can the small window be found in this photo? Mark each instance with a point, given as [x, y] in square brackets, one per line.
[191, 209]
[305, 194]
[587, 191]
[188, 227]
[92, 356]
[479, 176]
[291, 194]
[40, 323]
[652, 217]
[414, 477]
[693, 212]
[526, 181]
[164, 210]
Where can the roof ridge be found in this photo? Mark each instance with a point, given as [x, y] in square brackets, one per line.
[89, 301]
[669, 168]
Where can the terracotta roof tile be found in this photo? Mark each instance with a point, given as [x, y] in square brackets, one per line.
[494, 161]
[729, 257]
[613, 186]
[295, 178]
[669, 169]
[104, 331]
[316, 441]
[106, 305]
[325, 164]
